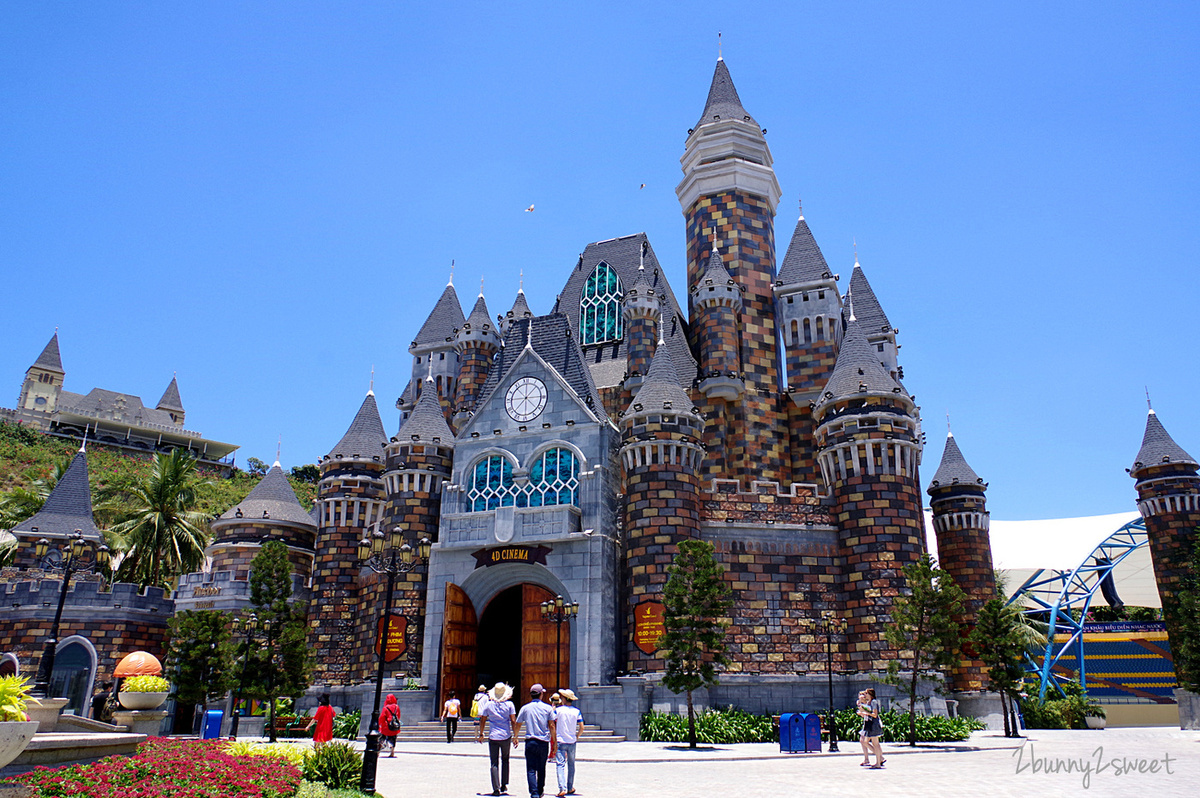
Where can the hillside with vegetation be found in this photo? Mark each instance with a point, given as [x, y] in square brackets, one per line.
[27, 455]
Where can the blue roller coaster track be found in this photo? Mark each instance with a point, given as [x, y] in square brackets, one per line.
[1061, 597]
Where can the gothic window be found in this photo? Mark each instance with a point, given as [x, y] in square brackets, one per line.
[554, 479]
[491, 484]
[600, 307]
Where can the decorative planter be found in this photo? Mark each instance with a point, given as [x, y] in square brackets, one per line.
[14, 736]
[45, 711]
[1095, 723]
[141, 700]
[141, 722]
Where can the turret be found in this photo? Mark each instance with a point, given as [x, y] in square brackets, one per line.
[642, 309]
[661, 452]
[961, 523]
[1169, 501]
[869, 448]
[171, 403]
[43, 380]
[880, 334]
[433, 353]
[476, 343]
[68, 508]
[729, 194]
[716, 303]
[520, 310]
[809, 310]
[352, 499]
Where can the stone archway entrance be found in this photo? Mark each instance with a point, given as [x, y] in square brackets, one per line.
[510, 642]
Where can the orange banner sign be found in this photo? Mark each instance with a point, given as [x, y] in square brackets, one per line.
[648, 625]
[397, 642]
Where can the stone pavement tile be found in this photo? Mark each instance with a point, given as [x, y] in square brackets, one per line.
[987, 765]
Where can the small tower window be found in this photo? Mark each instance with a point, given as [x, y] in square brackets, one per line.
[491, 484]
[600, 306]
[554, 479]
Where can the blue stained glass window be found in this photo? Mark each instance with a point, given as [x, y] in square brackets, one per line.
[491, 484]
[553, 480]
[600, 306]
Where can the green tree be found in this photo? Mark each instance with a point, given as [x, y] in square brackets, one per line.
[1001, 646]
[200, 655]
[161, 534]
[697, 603]
[1186, 650]
[24, 501]
[282, 665]
[306, 473]
[923, 630]
[255, 467]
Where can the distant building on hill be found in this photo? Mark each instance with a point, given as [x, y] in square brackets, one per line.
[108, 417]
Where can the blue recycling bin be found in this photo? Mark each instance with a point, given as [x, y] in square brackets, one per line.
[212, 724]
[812, 732]
[785, 733]
[793, 733]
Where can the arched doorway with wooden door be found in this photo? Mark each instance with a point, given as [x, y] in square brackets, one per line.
[511, 642]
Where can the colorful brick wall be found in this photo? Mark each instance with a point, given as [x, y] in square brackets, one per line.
[802, 443]
[475, 361]
[641, 336]
[1171, 529]
[965, 552]
[715, 330]
[237, 545]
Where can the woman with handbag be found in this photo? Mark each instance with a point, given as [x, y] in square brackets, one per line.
[389, 723]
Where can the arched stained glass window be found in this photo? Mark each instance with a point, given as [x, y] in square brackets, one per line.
[600, 307]
[491, 484]
[554, 479]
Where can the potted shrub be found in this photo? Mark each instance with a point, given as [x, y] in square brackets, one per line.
[144, 692]
[16, 729]
[1094, 716]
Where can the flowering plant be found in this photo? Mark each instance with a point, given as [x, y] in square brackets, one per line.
[146, 684]
[13, 692]
[170, 768]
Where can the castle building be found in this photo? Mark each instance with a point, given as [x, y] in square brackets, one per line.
[119, 420]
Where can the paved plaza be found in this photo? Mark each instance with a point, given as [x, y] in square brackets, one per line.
[986, 765]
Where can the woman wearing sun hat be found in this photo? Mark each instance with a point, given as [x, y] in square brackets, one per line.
[502, 715]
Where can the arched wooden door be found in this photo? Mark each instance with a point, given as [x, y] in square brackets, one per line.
[541, 653]
[459, 631]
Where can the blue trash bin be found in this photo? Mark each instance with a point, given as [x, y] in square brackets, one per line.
[212, 724]
[785, 733]
[812, 733]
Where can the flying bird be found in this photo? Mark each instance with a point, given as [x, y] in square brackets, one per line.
[529, 209]
[642, 186]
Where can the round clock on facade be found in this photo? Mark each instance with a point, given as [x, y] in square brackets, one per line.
[526, 399]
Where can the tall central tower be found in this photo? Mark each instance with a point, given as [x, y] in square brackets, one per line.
[729, 194]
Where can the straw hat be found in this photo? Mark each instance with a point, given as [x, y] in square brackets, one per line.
[568, 694]
[501, 692]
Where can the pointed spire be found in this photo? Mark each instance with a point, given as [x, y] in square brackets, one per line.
[371, 388]
[716, 271]
[723, 101]
[170, 398]
[451, 280]
[444, 319]
[954, 469]
[479, 315]
[272, 498]
[857, 369]
[278, 449]
[520, 308]
[1158, 448]
[426, 422]
[803, 262]
[49, 359]
[69, 505]
[661, 389]
[867, 308]
[365, 438]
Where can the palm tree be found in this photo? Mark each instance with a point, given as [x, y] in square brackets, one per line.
[160, 535]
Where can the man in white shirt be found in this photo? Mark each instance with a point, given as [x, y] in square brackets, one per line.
[568, 722]
[503, 716]
[540, 741]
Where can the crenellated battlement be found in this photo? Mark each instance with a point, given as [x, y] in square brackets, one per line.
[121, 596]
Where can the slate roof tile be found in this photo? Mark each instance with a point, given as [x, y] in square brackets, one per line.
[723, 100]
[170, 398]
[50, 358]
[858, 368]
[954, 469]
[1158, 448]
[274, 496]
[444, 319]
[69, 505]
[427, 422]
[365, 437]
[803, 262]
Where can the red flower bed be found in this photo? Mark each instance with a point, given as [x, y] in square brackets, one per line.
[168, 768]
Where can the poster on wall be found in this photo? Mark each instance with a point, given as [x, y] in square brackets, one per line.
[648, 625]
[397, 642]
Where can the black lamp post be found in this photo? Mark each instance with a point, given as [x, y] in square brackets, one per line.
[559, 612]
[831, 624]
[250, 625]
[77, 556]
[392, 559]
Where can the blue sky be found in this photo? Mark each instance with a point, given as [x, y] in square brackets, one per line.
[266, 198]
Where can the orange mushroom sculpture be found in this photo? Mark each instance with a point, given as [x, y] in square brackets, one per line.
[139, 663]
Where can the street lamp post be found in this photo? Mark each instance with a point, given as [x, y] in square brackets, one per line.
[392, 559]
[250, 626]
[559, 612]
[70, 561]
[831, 624]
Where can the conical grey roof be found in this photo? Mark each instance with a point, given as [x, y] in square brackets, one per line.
[715, 270]
[661, 386]
[803, 262]
[867, 309]
[1158, 448]
[426, 422]
[446, 317]
[858, 369]
[49, 358]
[170, 398]
[520, 308]
[723, 100]
[479, 315]
[274, 496]
[366, 437]
[643, 285]
[954, 469]
[69, 505]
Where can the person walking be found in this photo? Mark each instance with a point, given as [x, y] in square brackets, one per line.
[540, 741]
[872, 728]
[389, 723]
[502, 715]
[568, 722]
[450, 712]
[323, 721]
[478, 702]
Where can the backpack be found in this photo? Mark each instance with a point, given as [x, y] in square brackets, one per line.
[393, 722]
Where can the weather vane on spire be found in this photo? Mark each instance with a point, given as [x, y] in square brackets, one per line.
[800, 205]
[481, 285]
[278, 448]
[949, 431]
[855, 240]
[720, 57]
[1149, 406]
[371, 389]
[521, 282]
[451, 272]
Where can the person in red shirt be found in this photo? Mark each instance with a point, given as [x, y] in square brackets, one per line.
[390, 710]
[323, 720]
